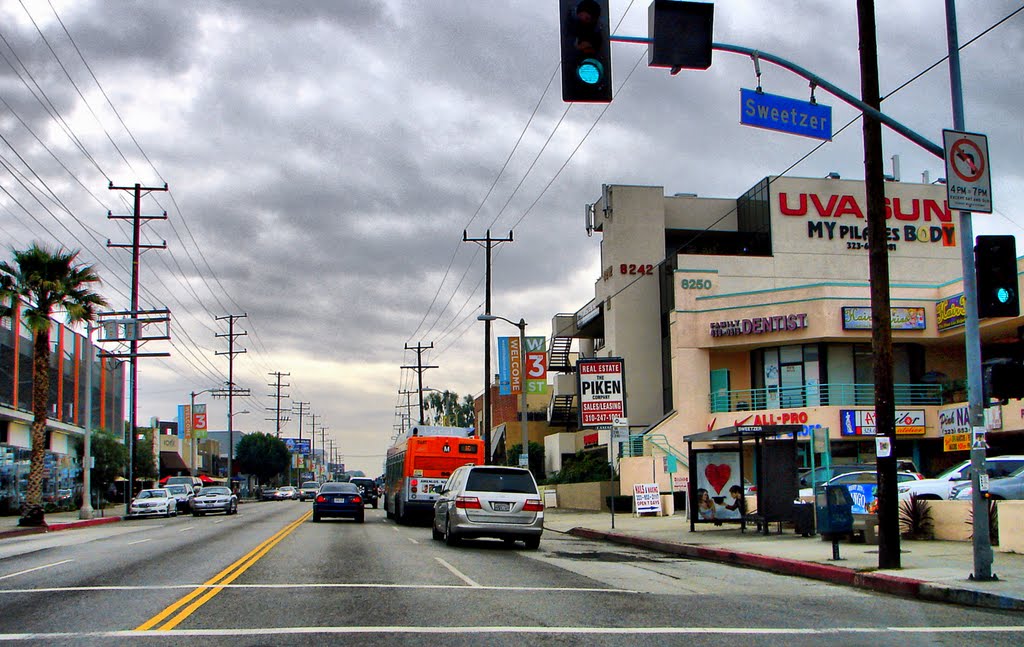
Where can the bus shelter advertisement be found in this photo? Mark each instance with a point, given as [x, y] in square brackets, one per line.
[601, 384]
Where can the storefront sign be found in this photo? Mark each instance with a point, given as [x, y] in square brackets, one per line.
[758, 325]
[601, 384]
[859, 318]
[951, 312]
[861, 422]
[646, 497]
[955, 427]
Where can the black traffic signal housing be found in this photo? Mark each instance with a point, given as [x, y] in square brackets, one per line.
[680, 33]
[1002, 379]
[586, 51]
[995, 271]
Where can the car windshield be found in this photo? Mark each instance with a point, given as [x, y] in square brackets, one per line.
[501, 480]
[327, 488]
[207, 491]
[948, 474]
[176, 489]
[310, 484]
[153, 494]
[364, 483]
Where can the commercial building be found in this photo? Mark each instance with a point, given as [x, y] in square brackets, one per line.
[68, 365]
[756, 311]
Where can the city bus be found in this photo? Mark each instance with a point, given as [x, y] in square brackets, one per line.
[419, 463]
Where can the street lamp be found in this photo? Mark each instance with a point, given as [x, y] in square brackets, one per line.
[524, 455]
[193, 455]
[86, 511]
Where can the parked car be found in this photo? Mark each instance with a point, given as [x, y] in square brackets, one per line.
[182, 494]
[269, 494]
[339, 500]
[308, 490]
[286, 493]
[489, 501]
[215, 498]
[368, 488]
[941, 487]
[157, 501]
[1007, 487]
[192, 481]
[821, 473]
[868, 477]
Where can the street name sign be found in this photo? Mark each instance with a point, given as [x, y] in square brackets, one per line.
[968, 181]
[774, 112]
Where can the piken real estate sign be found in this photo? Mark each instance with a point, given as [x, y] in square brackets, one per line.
[601, 384]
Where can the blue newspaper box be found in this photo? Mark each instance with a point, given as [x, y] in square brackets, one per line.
[835, 510]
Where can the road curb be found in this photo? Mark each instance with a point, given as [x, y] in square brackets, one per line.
[880, 582]
[82, 523]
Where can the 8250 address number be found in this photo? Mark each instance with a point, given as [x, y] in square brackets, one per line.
[696, 284]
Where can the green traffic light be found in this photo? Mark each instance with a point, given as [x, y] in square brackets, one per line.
[590, 71]
[1003, 295]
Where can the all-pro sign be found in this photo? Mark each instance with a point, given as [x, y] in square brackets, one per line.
[601, 384]
[968, 180]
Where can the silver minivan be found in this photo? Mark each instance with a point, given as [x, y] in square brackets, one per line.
[489, 501]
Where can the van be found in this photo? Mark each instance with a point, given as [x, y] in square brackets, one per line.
[186, 480]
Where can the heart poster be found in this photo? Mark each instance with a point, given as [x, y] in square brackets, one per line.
[719, 489]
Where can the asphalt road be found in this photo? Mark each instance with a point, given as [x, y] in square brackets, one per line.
[270, 576]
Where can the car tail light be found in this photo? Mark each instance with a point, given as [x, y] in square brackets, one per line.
[533, 505]
[321, 499]
[467, 502]
[357, 499]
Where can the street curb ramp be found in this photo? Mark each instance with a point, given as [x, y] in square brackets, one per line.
[879, 582]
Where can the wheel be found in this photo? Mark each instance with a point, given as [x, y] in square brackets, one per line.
[435, 534]
[195, 514]
[360, 519]
[400, 512]
[388, 511]
[234, 508]
[450, 539]
[374, 504]
[508, 541]
[168, 514]
[532, 543]
[175, 513]
[316, 518]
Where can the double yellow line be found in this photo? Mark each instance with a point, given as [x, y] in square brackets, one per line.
[216, 584]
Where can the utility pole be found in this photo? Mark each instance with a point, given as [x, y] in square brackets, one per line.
[303, 409]
[419, 368]
[133, 324]
[881, 321]
[407, 406]
[312, 443]
[487, 243]
[277, 395]
[231, 390]
[982, 541]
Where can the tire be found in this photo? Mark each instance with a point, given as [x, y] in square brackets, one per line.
[400, 512]
[532, 543]
[388, 512]
[509, 541]
[435, 534]
[195, 514]
[374, 504]
[360, 519]
[450, 538]
[168, 514]
[234, 509]
[316, 518]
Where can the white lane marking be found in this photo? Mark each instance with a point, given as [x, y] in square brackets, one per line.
[395, 528]
[412, 540]
[141, 541]
[37, 568]
[459, 574]
[186, 528]
[620, 631]
[222, 519]
[327, 585]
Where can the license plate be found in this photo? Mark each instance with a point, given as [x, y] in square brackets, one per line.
[501, 507]
[340, 500]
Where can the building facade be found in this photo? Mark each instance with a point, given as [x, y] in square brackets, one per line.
[68, 365]
[756, 310]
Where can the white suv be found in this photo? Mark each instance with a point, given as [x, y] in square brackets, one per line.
[941, 486]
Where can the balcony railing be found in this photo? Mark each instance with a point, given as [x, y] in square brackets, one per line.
[821, 395]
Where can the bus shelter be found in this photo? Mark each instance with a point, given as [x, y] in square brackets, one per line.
[717, 492]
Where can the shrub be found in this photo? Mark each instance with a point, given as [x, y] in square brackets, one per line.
[993, 522]
[916, 519]
[584, 467]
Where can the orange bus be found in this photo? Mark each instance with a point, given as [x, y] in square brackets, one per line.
[420, 462]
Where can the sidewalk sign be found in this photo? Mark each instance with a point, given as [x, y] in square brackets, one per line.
[646, 498]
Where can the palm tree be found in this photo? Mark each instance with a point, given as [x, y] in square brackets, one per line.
[45, 281]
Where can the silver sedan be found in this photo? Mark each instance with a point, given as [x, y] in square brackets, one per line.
[214, 499]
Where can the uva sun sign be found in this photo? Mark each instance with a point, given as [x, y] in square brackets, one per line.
[601, 384]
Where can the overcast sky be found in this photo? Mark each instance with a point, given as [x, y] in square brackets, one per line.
[324, 158]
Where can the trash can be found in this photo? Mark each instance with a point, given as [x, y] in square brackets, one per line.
[835, 511]
[803, 518]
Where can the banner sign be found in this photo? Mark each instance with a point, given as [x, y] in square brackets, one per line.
[182, 420]
[199, 420]
[510, 365]
[297, 445]
[859, 318]
[951, 312]
[601, 384]
[646, 498]
[861, 422]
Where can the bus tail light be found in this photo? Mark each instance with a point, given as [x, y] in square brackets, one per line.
[413, 483]
[467, 502]
[533, 505]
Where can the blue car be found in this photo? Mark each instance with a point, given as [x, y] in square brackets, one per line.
[338, 500]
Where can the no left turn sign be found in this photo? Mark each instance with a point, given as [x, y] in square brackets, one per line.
[968, 182]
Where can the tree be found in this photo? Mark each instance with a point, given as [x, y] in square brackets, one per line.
[536, 458]
[448, 410]
[262, 455]
[110, 455]
[45, 282]
[144, 464]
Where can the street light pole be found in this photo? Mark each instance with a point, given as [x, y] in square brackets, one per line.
[524, 454]
[85, 512]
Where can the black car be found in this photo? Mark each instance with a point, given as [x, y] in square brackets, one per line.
[367, 488]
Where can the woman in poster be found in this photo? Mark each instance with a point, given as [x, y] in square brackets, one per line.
[705, 505]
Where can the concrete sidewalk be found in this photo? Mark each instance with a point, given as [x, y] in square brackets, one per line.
[59, 521]
[931, 570]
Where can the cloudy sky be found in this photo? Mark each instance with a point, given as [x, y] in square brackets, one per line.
[324, 158]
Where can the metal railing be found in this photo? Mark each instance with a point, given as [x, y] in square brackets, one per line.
[821, 395]
[652, 445]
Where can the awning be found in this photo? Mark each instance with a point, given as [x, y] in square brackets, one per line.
[743, 432]
[172, 461]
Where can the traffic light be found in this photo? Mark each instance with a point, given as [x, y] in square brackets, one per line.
[995, 270]
[680, 33]
[586, 51]
[1002, 379]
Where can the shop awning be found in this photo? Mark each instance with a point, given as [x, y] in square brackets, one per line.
[171, 461]
[743, 432]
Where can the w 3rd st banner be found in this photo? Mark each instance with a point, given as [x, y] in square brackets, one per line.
[601, 384]
[510, 365]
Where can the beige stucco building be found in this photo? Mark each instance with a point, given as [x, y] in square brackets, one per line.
[756, 310]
